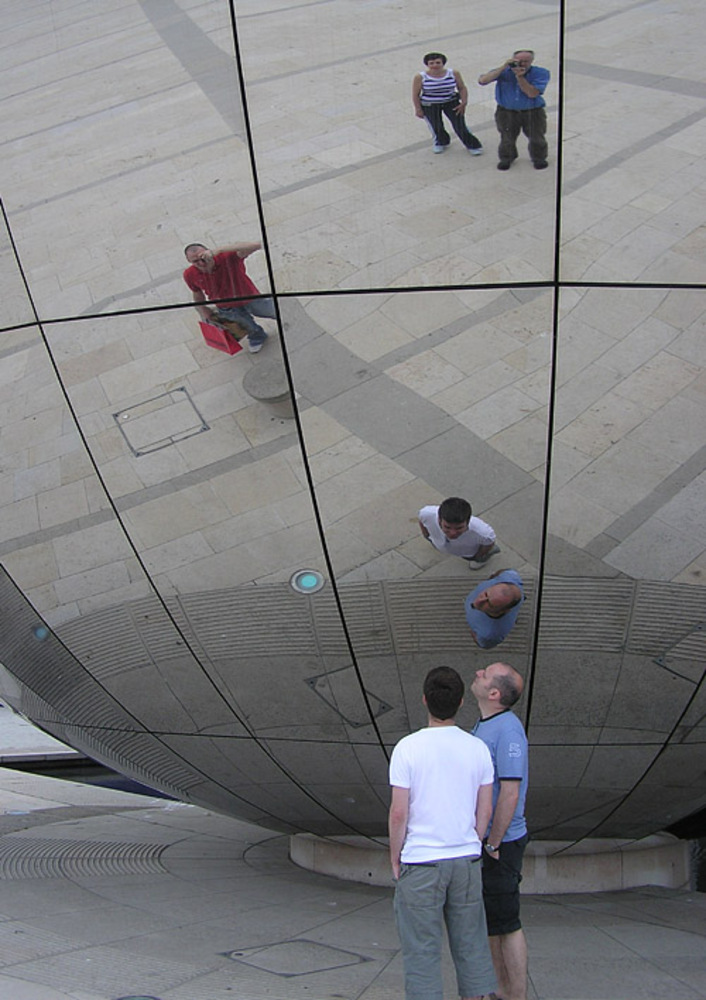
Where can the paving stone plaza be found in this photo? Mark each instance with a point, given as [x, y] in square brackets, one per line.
[533, 340]
[109, 895]
[125, 139]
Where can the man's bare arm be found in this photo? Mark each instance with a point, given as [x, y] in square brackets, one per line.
[242, 249]
[397, 826]
[203, 310]
[484, 809]
[525, 86]
[484, 550]
[504, 810]
[485, 78]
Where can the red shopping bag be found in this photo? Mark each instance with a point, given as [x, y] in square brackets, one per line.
[222, 340]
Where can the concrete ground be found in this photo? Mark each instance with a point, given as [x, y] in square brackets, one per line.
[109, 895]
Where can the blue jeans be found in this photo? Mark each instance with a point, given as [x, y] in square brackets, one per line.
[427, 896]
[244, 316]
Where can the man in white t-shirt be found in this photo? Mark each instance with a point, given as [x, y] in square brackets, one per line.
[453, 530]
[442, 793]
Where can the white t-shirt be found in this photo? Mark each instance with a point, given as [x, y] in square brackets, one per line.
[466, 545]
[443, 767]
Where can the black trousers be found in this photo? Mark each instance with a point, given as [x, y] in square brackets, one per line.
[433, 114]
[533, 122]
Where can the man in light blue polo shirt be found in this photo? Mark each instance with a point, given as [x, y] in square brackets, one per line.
[518, 92]
[492, 608]
[496, 689]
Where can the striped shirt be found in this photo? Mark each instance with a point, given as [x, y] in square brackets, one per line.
[438, 89]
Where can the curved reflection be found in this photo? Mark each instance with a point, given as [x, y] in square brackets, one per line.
[519, 93]
[426, 342]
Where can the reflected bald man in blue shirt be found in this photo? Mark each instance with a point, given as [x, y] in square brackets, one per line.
[492, 608]
[519, 86]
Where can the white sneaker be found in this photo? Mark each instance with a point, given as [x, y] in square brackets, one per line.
[474, 564]
[258, 345]
[437, 148]
[478, 151]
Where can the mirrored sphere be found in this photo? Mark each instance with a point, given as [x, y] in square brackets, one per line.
[213, 575]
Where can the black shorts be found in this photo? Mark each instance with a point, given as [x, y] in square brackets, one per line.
[501, 887]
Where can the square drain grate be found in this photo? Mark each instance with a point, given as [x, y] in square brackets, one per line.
[160, 422]
[296, 958]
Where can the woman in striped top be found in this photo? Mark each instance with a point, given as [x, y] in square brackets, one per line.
[440, 90]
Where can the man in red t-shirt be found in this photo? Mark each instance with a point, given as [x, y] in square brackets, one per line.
[219, 276]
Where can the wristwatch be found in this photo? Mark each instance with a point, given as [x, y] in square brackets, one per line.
[490, 849]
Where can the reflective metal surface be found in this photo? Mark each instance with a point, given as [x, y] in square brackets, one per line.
[530, 340]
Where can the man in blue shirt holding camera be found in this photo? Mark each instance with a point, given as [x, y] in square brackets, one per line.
[518, 92]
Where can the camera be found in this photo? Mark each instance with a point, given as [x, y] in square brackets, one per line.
[513, 65]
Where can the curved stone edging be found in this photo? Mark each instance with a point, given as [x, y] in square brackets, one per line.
[551, 866]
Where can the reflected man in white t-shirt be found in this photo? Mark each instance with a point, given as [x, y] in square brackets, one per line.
[451, 528]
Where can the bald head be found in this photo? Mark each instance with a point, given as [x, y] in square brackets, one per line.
[508, 682]
[497, 686]
[498, 599]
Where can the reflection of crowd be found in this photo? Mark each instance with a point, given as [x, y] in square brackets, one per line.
[456, 855]
[456, 821]
[519, 87]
